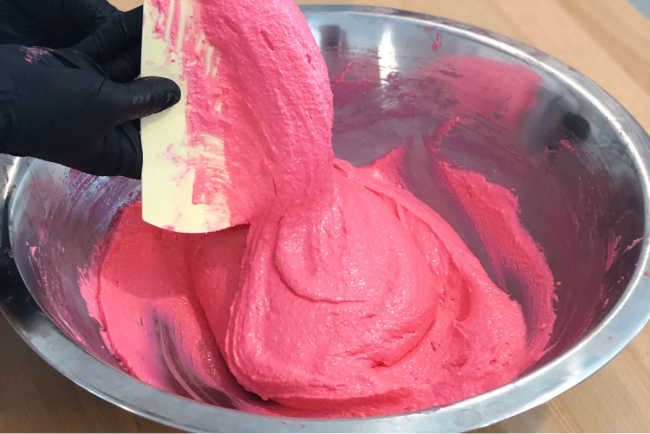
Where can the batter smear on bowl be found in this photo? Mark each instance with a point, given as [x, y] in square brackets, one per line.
[338, 293]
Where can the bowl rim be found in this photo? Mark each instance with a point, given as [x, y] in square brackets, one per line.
[616, 330]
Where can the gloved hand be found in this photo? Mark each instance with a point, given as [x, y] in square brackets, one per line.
[51, 23]
[79, 106]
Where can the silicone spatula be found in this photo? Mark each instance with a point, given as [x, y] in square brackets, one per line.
[255, 92]
[169, 197]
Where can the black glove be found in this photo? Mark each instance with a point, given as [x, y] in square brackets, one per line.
[78, 106]
[51, 23]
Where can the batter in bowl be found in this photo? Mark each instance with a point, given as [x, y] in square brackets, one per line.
[339, 293]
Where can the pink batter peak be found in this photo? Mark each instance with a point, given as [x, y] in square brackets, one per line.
[340, 293]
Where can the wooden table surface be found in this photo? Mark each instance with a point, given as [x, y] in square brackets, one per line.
[609, 42]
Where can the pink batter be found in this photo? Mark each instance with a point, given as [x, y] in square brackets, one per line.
[341, 294]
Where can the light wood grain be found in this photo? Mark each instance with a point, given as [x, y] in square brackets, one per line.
[609, 42]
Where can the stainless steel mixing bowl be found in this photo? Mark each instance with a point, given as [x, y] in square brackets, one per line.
[586, 204]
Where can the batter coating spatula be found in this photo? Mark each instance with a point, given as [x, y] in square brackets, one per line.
[255, 119]
[176, 154]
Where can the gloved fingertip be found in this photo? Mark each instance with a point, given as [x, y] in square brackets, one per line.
[147, 96]
[164, 92]
[113, 36]
[172, 95]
